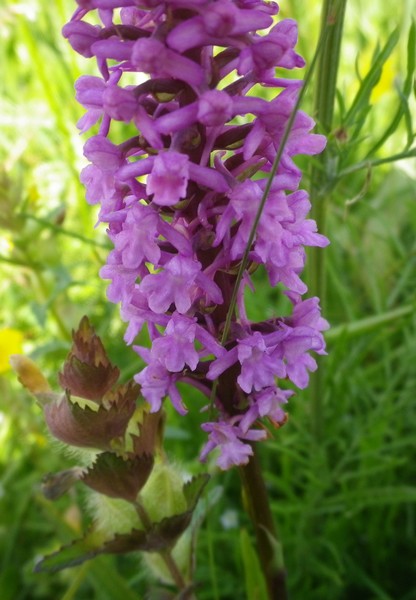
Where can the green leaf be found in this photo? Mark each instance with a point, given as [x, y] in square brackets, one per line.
[73, 554]
[108, 583]
[255, 584]
[411, 60]
[160, 536]
[361, 101]
[9, 583]
[163, 534]
[410, 82]
[366, 581]
[403, 109]
[194, 488]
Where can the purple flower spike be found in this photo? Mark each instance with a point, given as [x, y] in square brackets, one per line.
[179, 180]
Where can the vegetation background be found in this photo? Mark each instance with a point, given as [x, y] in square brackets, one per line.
[342, 471]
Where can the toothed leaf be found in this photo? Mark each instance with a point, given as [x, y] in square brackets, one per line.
[117, 477]
[87, 371]
[73, 554]
[85, 427]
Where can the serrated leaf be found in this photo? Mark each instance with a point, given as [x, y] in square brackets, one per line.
[87, 371]
[117, 477]
[170, 528]
[86, 380]
[164, 533]
[159, 537]
[194, 488]
[139, 540]
[87, 428]
[73, 554]
[122, 543]
[149, 428]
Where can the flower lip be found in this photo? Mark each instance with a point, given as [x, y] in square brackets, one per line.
[215, 108]
[168, 179]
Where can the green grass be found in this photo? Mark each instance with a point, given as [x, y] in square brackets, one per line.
[344, 501]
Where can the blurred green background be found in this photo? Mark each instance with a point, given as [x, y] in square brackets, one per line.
[343, 495]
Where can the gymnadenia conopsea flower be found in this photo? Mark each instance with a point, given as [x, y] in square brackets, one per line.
[188, 79]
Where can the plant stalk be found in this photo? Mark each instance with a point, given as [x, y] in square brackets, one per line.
[369, 164]
[268, 545]
[166, 555]
[332, 22]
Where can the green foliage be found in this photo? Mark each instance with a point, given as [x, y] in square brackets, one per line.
[255, 585]
[345, 502]
[156, 537]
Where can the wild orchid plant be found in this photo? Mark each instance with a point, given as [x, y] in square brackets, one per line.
[195, 203]
[181, 194]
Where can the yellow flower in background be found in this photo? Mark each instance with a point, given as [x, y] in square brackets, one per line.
[11, 342]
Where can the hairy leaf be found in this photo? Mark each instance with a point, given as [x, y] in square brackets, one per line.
[117, 477]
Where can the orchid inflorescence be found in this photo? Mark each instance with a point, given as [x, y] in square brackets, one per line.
[180, 195]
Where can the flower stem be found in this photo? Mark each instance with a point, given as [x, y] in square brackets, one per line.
[173, 569]
[331, 33]
[269, 547]
[166, 555]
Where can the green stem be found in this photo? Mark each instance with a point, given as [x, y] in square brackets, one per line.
[61, 231]
[173, 569]
[331, 26]
[268, 545]
[20, 263]
[332, 22]
[166, 555]
[369, 164]
[65, 332]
